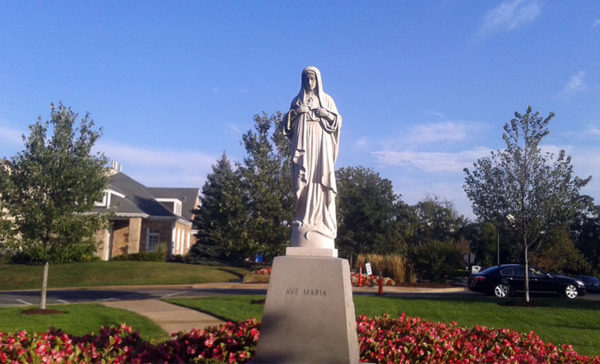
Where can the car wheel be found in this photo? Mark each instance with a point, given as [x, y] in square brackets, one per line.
[501, 290]
[571, 291]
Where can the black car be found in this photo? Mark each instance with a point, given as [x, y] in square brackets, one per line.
[509, 279]
[592, 284]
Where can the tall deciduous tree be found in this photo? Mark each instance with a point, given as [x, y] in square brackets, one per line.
[221, 218]
[367, 212]
[538, 189]
[266, 179]
[50, 187]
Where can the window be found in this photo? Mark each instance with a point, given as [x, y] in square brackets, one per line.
[152, 240]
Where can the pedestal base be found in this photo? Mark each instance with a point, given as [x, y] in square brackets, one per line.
[311, 252]
[309, 313]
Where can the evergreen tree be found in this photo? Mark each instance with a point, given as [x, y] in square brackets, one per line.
[221, 218]
[266, 179]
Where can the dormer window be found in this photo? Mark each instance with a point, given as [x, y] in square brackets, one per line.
[173, 204]
[107, 197]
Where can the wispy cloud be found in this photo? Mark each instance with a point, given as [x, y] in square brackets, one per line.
[431, 162]
[510, 15]
[596, 24]
[447, 131]
[234, 128]
[153, 166]
[362, 144]
[10, 136]
[575, 85]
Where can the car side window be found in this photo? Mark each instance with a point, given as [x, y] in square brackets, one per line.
[519, 272]
[534, 272]
[506, 272]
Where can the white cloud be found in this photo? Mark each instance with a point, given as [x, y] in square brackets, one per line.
[160, 167]
[431, 162]
[362, 144]
[447, 131]
[10, 137]
[575, 85]
[510, 15]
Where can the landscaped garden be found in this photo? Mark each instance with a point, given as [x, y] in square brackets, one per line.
[557, 321]
[114, 273]
[395, 338]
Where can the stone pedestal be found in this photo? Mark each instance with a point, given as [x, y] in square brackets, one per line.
[309, 313]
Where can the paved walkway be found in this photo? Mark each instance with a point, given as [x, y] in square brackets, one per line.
[169, 317]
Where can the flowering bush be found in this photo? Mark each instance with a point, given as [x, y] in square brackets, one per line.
[412, 340]
[384, 339]
[370, 280]
[262, 272]
[231, 343]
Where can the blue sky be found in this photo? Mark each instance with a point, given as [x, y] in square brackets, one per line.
[424, 87]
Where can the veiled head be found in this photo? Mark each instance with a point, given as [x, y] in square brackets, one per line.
[311, 79]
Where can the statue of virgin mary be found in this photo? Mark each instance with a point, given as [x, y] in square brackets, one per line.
[313, 125]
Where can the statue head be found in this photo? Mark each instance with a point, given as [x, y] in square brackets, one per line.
[311, 79]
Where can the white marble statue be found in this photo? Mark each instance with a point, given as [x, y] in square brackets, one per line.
[313, 124]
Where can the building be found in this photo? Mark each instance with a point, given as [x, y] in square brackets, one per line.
[145, 219]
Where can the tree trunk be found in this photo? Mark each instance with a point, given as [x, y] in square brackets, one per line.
[44, 286]
[526, 275]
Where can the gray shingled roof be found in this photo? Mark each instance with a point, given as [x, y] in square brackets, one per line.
[187, 196]
[138, 199]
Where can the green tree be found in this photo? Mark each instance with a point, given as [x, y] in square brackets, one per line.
[560, 255]
[266, 180]
[585, 232]
[536, 188]
[482, 242]
[437, 261]
[367, 212]
[50, 187]
[437, 219]
[221, 218]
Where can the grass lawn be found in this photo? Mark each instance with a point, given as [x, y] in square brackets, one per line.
[114, 273]
[556, 320]
[78, 320]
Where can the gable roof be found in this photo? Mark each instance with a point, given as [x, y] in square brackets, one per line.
[137, 201]
[187, 196]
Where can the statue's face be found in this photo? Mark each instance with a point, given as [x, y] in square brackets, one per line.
[310, 81]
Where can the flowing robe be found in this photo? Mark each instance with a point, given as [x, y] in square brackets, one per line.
[314, 148]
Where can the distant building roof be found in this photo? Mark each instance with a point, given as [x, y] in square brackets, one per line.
[138, 199]
[187, 196]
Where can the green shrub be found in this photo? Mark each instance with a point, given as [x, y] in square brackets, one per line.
[436, 261]
[146, 257]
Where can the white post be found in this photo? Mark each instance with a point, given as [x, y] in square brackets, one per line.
[44, 286]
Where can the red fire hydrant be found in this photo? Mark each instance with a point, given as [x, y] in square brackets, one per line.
[360, 276]
[380, 284]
